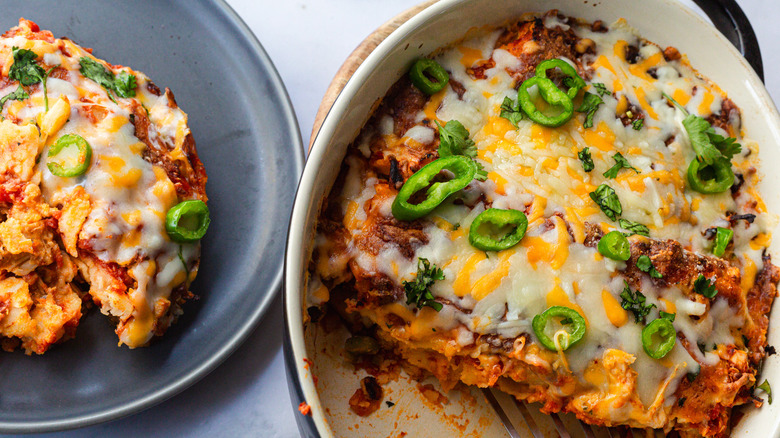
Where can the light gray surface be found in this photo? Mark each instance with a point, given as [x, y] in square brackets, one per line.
[308, 40]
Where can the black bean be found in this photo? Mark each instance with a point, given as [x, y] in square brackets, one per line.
[371, 388]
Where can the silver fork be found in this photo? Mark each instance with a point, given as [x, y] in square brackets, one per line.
[524, 421]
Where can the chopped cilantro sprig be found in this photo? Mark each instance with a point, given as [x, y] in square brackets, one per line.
[635, 302]
[620, 163]
[600, 88]
[586, 159]
[590, 104]
[708, 145]
[511, 111]
[633, 228]
[418, 292]
[605, 197]
[705, 287]
[27, 72]
[18, 94]
[454, 140]
[644, 264]
[123, 84]
[24, 69]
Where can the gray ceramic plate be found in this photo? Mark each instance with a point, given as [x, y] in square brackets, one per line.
[248, 139]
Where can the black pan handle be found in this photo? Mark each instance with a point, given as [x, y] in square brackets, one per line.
[728, 17]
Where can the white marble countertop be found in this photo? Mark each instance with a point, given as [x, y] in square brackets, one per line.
[308, 40]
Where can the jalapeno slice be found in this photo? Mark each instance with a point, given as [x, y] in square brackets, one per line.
[361, 345]
[572, 80]
[710, 178]
[614, 245]
[658, 338]
[187, 221]
[464, 169]
[572, 328]
[722, 238]
[421, 73]
[551, 94]
[499, 219]
[69, 156]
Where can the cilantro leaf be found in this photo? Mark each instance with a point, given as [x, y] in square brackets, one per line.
[667, 315]
[27, 72]
[96, 71]
[418, 292]
[727, 146]
[18, 94]
[637, 124]
[644, 264]
[481, 172]
[634, 228]
[454, 140]
[45, 91]
[676, 103]
[601, 89]
[123, 85]
[511, 111]
[587, 160]
[635, 302]
[620, 163]
[705, 287]
[590, 104]
[708, 145]
[697, 133]
[24, 69]
[607, 200]
[764, 386]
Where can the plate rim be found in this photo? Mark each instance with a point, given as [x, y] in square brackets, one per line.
[192, 376]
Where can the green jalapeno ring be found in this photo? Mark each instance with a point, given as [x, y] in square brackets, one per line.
[187, 221]
[710, 178]
[563, 339]
[661, 328]
[552, 95]
[576, 84]
[421, 69]
[464, 169]
[63, 147]
[499, 218]
[614, 245]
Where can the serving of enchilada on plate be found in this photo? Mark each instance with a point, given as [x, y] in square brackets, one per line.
[102, 195]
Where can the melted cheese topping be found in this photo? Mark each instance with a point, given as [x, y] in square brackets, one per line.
[129, 196]
[536, 169]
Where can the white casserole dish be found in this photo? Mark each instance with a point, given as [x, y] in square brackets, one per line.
[664, 22]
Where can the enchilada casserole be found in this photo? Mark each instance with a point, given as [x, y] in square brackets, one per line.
[98, 181]
[564, 211]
